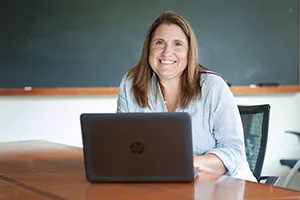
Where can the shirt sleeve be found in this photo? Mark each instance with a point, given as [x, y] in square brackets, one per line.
[227, 126]
[122, 103]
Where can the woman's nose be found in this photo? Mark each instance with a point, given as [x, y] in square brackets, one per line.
[167, 50]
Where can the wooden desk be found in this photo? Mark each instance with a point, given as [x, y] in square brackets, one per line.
[44, 170]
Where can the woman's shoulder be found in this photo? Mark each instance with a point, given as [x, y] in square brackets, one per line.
[126, 81]
[214, 86]
[212, 80]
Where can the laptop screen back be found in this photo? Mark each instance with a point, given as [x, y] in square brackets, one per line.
[146, 147]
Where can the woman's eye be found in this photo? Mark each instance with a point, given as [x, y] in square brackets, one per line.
[158, 42]
[178, 44]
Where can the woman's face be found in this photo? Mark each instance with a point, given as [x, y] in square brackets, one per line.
[168, 56]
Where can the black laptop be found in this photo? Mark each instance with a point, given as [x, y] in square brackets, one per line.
[137, 147]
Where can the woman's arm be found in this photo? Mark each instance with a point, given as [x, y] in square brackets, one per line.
[209, 163]
[226, 129]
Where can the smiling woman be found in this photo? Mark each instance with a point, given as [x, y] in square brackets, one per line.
[168, 59]
[169, 78]
[168, 53]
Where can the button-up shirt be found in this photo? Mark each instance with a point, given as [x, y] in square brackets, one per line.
[216, 122]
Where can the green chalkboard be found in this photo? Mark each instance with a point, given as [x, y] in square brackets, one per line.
[92, 43]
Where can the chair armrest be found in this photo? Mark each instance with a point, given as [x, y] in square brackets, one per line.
[270, 180]
[289, 162]
[293, 132]
[291, 174]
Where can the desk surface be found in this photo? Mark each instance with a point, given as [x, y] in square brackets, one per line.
[44, 170]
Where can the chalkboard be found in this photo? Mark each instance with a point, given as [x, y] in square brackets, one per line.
[93, 43]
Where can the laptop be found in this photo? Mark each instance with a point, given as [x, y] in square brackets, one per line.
[137, 147]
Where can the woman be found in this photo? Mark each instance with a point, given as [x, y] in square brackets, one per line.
[168, 78]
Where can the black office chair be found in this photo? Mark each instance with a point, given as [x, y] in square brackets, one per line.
[255, 119]
[293, 164]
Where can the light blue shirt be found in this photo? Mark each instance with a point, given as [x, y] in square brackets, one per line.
[216, 122]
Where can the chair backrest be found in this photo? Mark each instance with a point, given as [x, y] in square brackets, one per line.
[255, 119]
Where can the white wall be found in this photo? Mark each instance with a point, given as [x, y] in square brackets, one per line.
[57, 119]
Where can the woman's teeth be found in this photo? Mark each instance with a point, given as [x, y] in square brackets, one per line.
[167, 62]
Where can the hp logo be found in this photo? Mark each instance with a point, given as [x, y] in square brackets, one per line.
[137, 147]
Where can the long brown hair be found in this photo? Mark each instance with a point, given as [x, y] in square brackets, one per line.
[190, 79]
